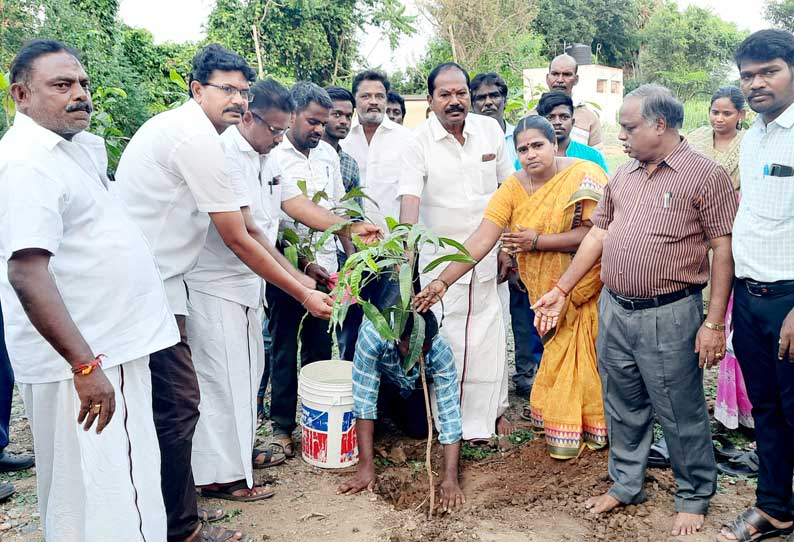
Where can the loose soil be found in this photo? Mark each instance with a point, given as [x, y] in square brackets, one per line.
[519, 495]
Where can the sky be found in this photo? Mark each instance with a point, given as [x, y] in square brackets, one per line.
[182, 20]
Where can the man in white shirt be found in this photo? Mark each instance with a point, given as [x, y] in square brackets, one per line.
[450, 170]
[763, 252]
[172, 178]
[301, 160]
[376, 143]
[84, 307]
[225, 303]
[489, 97]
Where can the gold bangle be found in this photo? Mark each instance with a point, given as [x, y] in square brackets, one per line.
[712, 325]
[446, 286]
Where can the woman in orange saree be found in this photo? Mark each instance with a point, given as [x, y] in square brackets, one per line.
[541, 214]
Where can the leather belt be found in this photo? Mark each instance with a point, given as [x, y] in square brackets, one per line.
[766, 289]
[639, 303]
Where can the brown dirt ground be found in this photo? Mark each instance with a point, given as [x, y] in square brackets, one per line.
[519, 495]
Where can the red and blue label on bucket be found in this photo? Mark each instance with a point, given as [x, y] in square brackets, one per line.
[315, 441]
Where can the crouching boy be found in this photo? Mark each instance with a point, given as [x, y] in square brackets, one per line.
[376, 358]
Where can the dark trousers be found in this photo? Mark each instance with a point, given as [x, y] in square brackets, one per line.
[6, 387]
[284, 319]
[757, 319]
[175, 401]
[405, 408]
[268, 353]
[528, 346]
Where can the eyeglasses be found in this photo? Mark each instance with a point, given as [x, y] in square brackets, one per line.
[275, 131]
[229, 90]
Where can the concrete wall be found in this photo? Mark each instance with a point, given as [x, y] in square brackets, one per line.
[601, 85]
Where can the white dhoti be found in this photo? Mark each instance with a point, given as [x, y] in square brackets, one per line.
[95, 488]
[229, 358]
[474, 327]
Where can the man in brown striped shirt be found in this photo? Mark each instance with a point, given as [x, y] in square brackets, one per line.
[652, 230]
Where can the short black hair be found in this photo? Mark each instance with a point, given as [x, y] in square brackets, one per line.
[431, 79]
[31, 50]
[216, 57]
[370, 75]
[393, 97]
[306, 92]
[339, 94]
[535, 122]
[549, 100]
[766, 45]
[270, 94]
[490, 78]
[431, 327]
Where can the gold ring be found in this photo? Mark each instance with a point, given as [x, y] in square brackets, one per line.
[97, 407]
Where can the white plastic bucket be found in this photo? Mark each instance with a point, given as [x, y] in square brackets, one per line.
[327, 423]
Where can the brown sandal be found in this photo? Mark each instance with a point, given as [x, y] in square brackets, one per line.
[227, 493]
[751, 517]
[208, 516]
[220, 534]
[272, 458]
[286, 445]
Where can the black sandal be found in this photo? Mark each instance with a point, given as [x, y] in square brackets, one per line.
[227, 493]
[271, 459]
[209, 516]
[724, 449]
[752, 518]
[659, 455]
[219, 534]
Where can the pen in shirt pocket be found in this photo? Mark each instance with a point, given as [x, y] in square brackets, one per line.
[667, 199]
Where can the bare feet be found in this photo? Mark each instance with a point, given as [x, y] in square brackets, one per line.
[451, 494]
[686, 523]
[602, 504]
[364, 479]
[503, 426]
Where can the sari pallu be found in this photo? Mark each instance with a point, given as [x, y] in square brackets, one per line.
[566, 402]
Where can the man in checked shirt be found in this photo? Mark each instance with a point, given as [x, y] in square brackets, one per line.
[377, 358]
[652, 230]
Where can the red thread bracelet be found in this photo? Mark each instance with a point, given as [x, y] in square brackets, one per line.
[560, 289]
[87, 368]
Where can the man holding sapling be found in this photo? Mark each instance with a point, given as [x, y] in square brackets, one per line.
[378, 364]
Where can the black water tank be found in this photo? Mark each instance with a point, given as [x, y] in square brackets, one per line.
[580, 52]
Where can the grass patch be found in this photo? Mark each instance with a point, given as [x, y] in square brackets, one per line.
[476, 452]
[383, 462]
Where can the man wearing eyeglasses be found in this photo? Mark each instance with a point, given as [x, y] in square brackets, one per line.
[173, 179]
[226, 298]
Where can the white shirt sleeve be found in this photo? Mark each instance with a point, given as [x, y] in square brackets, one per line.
[36, 204]
[202, 163]
[236, 175]
[339, 186]
[413, 170]
[505, 164]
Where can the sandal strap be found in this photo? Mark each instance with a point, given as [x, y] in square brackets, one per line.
[740, 527]
[215, 534]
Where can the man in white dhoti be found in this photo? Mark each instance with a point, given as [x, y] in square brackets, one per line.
[225, 305]
[84, 306]
[449, 172]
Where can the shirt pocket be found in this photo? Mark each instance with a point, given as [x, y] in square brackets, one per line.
[487, 183]
[774, 199]
[672, 223]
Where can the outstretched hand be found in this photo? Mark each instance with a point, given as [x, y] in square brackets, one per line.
[319, 304]
[547, 310]
[430, 295]
[368, 233]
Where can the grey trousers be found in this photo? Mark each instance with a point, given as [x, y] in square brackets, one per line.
[647, 363]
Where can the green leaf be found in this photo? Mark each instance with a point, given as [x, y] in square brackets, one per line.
[378, 320]
[291, 254]
[462, 258]
[358, 193]
[406, 274]
[178, 79]
[290, 236]
[416, 232]
[417, 341]
[328, 233]
[453, 243]
[391, 223]
[4, 84]
[370, 261]
[319, 196]
[302, 186]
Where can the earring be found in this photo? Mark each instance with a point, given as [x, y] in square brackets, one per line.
[738, 125]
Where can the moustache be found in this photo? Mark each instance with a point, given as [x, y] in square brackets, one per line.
[754, 95]
[235, 109]
[81, 106]
[454, 109]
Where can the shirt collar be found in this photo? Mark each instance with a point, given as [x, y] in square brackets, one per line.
[675, 160]
[196, 110]
[44, 137]
[785, 120]
[386, 124]
[439, 132]
[240, 140]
